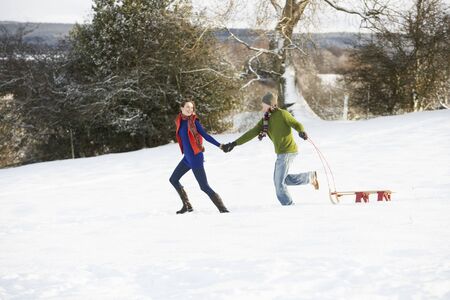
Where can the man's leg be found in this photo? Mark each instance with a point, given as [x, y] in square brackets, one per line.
[298, 179]
[302, 178]
[279, 177]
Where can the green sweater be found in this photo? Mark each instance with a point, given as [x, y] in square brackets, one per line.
[279, 132]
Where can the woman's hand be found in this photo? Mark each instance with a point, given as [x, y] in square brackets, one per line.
[227, 147]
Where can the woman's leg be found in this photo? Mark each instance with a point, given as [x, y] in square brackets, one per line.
[200, 175]
[179, 171]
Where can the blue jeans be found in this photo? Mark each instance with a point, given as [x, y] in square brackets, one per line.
[282, 179]
[199, 173]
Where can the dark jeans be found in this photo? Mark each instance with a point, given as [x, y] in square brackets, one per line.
[199, 174]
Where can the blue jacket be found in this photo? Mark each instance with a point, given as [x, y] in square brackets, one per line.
[190, 159]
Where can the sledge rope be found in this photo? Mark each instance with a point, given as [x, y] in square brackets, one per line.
[327, 169]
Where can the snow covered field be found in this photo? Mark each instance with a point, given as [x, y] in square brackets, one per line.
[105, 227]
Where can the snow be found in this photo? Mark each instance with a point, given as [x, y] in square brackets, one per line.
[105, 227]
[329, 79]
[293, 96]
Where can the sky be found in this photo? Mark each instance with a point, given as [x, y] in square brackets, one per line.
[71, 11]
[53, 11]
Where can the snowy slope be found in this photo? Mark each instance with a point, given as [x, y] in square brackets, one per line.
[105, 228]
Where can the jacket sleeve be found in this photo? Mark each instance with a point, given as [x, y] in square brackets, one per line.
[292, 122]
[250, 134]
[205, 135]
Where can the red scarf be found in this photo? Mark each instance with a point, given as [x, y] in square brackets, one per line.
[194, 137]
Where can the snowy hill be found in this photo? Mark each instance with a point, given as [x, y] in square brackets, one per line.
[105, 227]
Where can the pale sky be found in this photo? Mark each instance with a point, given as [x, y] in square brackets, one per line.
[52, 11]
[71, 11]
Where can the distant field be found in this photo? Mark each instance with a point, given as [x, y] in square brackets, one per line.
[50, 33]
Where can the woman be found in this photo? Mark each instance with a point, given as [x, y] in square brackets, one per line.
[190, 136]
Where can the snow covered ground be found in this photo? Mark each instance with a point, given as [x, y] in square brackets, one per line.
[105, 227]
[329, 79]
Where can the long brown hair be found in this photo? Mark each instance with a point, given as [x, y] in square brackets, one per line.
[186, 100]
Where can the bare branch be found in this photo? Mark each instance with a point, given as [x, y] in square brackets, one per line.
[271, 72]
[206, 69]
[262, 50]
[258, 78]
[370, 15]
[339, 8]
[130, 119]
[277, 7]
[444, 105]
[12, 81]
[221, 12]
[197, 41]
[294, 46]
[208, 83]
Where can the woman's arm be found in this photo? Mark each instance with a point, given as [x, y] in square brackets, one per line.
[205, 135]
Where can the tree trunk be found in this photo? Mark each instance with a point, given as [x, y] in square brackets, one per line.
[72, 148]
[287, 87]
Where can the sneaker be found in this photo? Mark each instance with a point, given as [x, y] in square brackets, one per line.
[313, 180]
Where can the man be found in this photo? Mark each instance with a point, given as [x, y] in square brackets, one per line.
[277, 124]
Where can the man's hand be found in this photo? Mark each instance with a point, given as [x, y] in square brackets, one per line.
[228, 147]
[303, 135]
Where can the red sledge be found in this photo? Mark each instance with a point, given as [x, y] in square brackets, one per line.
[360, 195]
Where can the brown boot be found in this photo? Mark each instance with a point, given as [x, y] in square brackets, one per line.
[184, 198]
[313, 180]
[218, 203]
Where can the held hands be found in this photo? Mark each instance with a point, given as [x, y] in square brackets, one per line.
[227, 147]
[303, 135]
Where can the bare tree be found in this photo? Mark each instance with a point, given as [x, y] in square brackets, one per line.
[427, 32]
[406, 67]
[291, 15]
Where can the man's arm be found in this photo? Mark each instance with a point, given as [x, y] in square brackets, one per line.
[292, 122]
[250, 134]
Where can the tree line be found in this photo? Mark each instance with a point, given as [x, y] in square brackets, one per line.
[405, 65]
[402, 65]
[114, 85]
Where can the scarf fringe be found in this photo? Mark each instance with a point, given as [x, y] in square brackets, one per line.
[266, 119]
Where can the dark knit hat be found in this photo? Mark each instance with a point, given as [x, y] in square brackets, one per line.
[269, 99]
